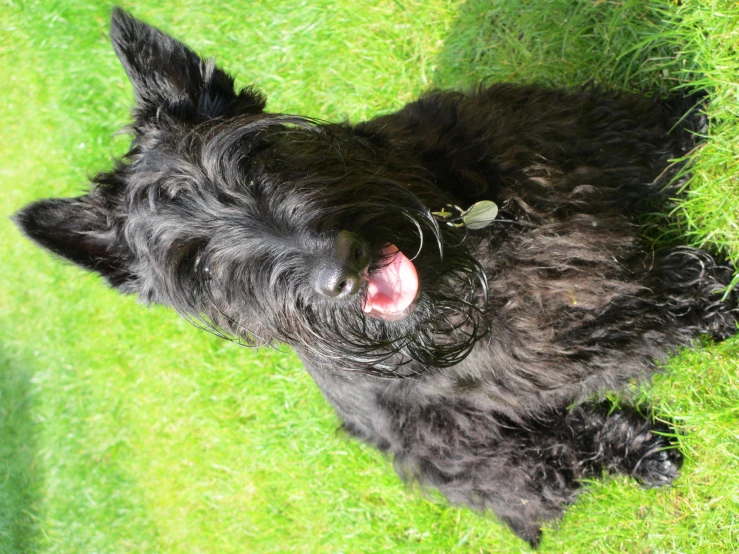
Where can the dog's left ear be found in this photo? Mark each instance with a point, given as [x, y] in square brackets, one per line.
[82, 230]
[170, 79]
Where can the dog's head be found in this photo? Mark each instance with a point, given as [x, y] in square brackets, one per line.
[269, 227]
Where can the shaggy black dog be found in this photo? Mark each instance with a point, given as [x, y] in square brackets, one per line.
[455, 276]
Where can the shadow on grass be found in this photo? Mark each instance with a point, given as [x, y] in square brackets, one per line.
[626, 45]
[562, 43]
[19, 477]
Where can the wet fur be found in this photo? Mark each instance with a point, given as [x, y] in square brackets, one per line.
[224, 212]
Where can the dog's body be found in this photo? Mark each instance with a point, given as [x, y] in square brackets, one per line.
[457, 349]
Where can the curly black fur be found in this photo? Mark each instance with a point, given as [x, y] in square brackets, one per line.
[228, 213]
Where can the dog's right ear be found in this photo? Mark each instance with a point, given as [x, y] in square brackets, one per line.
[82, 230]
[170, 79]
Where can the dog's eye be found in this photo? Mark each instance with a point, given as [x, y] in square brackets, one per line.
[202, 267]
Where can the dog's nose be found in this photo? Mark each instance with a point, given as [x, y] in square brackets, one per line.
[341, 272]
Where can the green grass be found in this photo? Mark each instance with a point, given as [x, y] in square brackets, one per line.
[123, 429]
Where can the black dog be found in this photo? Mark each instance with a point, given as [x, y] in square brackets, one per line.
[455, 276]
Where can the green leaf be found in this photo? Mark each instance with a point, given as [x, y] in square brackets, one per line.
[480, 214]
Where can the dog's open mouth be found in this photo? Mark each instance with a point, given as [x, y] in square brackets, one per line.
[393, 288]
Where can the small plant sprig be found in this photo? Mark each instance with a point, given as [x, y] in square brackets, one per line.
[478, 216]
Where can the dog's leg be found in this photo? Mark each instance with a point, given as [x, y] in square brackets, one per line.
[526, 472]
[623, 440]
[693, 285]
[482, 460]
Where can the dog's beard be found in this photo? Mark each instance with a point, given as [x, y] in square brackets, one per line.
[440, 331]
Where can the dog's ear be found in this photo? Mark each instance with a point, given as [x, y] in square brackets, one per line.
[81, 230]
[170, 79]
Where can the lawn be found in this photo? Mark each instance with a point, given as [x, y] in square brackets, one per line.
[125, 429]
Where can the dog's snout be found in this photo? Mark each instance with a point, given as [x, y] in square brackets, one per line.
[342, 270]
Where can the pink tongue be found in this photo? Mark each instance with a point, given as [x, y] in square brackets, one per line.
[393, 287]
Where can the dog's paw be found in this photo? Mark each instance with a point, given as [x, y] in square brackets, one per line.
[529, 531]
[659, 467]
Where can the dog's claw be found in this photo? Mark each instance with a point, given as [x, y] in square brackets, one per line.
[659, 468]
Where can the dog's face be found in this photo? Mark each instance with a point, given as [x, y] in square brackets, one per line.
[268, 227]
